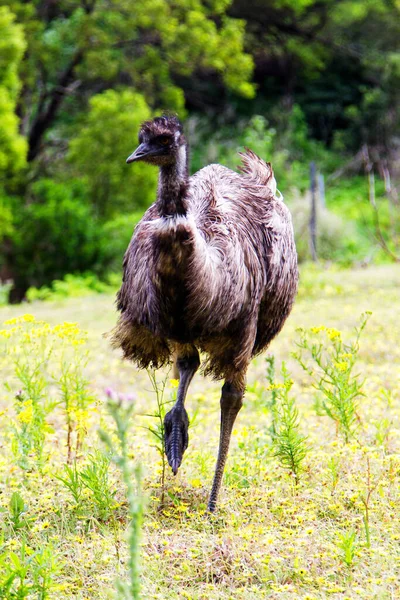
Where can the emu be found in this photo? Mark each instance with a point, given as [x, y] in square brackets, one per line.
[212, 266]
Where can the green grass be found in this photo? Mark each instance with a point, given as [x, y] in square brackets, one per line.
[336, 534]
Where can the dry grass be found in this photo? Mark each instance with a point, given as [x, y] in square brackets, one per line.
[269, 538]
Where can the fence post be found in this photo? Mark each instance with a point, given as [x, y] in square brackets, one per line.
[321, 190]
[369, 169]
[313, 213]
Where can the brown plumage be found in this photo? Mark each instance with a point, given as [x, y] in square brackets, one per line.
[211, 266]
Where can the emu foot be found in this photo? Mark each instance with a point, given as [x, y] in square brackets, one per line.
[176, 438]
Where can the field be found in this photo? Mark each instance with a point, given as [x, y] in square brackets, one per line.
[332, 532]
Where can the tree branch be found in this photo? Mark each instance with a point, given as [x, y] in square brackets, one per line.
[44, 119]
[47, 112]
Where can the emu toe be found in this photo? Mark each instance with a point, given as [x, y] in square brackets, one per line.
[176, 438]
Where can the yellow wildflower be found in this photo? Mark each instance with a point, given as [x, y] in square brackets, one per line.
[41, 331]
[174, 383]
[26, 414]
[341, 366]
[22, 319]
[275, 386]
[333, 334]
[27, 318]
[11, 321]
[196, 483]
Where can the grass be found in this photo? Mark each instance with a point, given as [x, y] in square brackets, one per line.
[335, 534]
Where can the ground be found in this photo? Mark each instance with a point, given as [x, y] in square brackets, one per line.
[270, 538]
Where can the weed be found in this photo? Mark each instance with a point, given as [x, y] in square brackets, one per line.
[271, 403]
[334, 466]
[382, 431]
[331, 370]
[27, 574]
[17, 513]
[32, 407]
[158, 430]
[366, 498]
[30, 344]
[121, 416]
[95, 477]
[290, 446]
[348, 546]
[76, 399]
[72, 481]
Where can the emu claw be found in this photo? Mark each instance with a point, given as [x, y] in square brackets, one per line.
[176, 438]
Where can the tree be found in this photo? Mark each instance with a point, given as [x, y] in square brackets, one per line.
[108, 135]
[77, 48]
[339, 60]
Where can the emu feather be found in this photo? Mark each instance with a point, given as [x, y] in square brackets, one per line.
[212, 266]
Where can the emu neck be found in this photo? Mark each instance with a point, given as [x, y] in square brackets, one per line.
[172, 186]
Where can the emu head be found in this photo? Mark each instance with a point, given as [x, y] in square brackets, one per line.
[161, 142]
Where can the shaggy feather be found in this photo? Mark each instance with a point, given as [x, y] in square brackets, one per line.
[212, 263]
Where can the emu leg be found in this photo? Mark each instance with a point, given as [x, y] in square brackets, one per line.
[176, 422]
[175, 372]
[231, 403]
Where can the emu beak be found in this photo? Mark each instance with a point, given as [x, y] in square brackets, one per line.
[140, 152]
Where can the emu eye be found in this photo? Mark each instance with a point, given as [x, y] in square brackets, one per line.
[164, 141]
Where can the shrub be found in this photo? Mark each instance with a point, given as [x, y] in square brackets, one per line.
[6, 218]
[55, 235]
[72, 286]
[117, 234]
[287, 146]
[337, 240]
[5, 287]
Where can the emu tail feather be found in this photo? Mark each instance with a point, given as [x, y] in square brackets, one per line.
[257, 170]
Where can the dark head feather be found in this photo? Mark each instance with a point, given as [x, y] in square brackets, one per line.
[164, 125]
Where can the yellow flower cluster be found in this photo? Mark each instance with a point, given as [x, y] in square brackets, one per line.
[26, 414]
[174, 383]
[318, 329]
[66, 331]
[279, 386]
[36, 333]
[275, 386]
[332, 333]
[7, 333]
[27, 318]
[342, 366]
[69, 331]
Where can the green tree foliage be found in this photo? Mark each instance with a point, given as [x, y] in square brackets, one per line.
[98, 153]
[12, 144]
[338, 60]
[94, 45]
